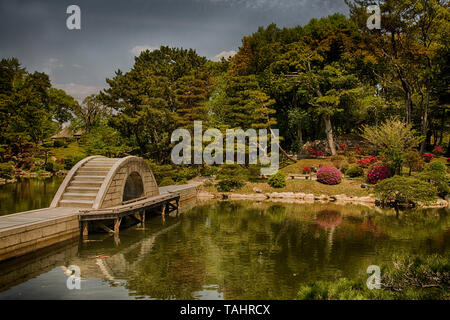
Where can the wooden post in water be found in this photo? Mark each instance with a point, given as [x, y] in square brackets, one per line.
[117, 225]
[85, 229]
[142, 215]
[163, 213]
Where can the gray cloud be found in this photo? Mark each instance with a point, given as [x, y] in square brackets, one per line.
[112, 32]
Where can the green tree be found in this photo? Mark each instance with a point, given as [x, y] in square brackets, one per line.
[393, 139]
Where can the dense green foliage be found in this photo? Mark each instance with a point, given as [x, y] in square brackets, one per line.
[404, 190]
[278, 180]
[354, 171]
[436, 174]
[407, 278]
[6, 170]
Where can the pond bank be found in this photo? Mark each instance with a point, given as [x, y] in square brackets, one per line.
[300, 197]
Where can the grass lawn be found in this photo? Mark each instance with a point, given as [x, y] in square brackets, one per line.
[72, 150]
[350, 187]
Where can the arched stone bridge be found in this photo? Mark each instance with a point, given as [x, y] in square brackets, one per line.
[98, 182]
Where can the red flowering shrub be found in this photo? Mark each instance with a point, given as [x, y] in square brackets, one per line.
[343, 147]
[358, 149]
[329, 175]
[448, 160]
[428, 157]
[365, 162]
[315, 153]
[306, 170]
[438, 150]
[318, 153]
[378, 172]
[418, 167]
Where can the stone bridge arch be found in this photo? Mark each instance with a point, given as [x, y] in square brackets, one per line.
[98, 182]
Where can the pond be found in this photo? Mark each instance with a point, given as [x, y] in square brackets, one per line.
[228, 250]
[28, 194]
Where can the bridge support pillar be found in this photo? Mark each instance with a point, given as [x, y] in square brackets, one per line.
[117, 225]
[84, 228]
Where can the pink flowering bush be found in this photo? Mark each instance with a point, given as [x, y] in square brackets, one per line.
[378, 172]
[329, 175]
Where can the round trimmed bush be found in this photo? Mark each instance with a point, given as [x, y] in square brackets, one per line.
[166, 181]
[6, 171]
[229, 184]
[354, 171]
[329, 175]
[378, 172]
[278, 180]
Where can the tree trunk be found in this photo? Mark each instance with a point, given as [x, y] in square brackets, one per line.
[329, 132]
[425, 124]
[408, 104]
[300, 139]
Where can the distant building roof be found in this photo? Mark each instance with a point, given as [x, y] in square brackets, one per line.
[67, 133]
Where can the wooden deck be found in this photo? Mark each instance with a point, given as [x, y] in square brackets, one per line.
[129, 207]
[134, 209]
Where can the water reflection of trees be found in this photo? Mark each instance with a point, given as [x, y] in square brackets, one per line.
[254, 251]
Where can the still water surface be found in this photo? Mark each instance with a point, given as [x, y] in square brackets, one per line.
[228, 250]
[28, 194]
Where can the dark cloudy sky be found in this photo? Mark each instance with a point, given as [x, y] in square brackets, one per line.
[113, 32]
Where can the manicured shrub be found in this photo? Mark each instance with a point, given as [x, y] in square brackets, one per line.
[209, 171]
[344, 166]
[436, 167]
[436, 174]
[404, 190]
[278, 180]
[428, 157]
[185, 173]
[354, 171]
[229, 184]
[6, 170]
[166, 182]
[57, 167]
[351, 160]
[329, 175]
[378, 172]
[49, 166]
[69, 162]
[58, 143]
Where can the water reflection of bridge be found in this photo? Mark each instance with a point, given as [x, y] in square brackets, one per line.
[113, 265]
